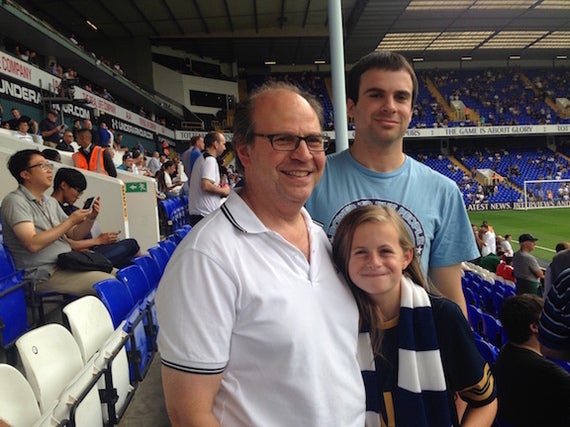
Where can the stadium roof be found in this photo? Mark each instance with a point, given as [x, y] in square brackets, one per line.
[296, 31]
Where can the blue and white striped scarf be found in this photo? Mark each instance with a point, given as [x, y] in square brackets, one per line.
[420, 399]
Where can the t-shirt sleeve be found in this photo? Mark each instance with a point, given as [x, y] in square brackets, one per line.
[210, 169]
[199, 341]
[453, 241]
[465, 370]
[15, 210]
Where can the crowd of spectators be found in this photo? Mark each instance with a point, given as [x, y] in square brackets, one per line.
[499, 96]
[70, 76]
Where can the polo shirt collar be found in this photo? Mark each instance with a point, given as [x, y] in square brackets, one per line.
[243, 218]
[29, 195]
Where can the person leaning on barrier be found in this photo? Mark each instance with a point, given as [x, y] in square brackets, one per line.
[36, 229]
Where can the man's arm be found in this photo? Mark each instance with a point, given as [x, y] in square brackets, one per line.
[49, 132]
[190, 397]
[34, 242]
[101, 239]
[481, 416]
[34, 126]
[211, 187]
[448, 281]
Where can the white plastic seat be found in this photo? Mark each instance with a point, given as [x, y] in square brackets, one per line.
[79, 401]
[18, 405]
[55, 370]
[92, 327]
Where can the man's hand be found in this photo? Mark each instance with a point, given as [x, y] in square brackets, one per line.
[107, 238]
[79, 216]
[95, 209]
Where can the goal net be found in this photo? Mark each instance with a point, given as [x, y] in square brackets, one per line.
[546, 193]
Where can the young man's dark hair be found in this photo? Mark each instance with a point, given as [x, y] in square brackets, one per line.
[51, 154]
[383, 60]
[71, 177]
[20, 161]
[518, 313]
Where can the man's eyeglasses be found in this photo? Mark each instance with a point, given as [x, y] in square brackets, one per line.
[290, 142]
[44, 166]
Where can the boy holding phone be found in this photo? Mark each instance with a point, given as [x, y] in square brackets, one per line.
[68, 184]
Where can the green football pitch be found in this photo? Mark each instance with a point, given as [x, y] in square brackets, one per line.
[549, 226]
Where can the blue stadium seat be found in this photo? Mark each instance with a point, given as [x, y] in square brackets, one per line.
[119, 302]
[168, 245]
[161, 257]
[493, 330]
[143, 295]
[475, 316]
[471, 297]
[150, 268]
[13, 317]
[487, 350]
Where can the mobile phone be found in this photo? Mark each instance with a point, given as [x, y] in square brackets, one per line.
[89, 203]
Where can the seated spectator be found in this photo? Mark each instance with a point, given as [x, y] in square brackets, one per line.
[22, 132]
[68, 185]
[35, 228]
[127, 164]
[92, 157]
[164, 180]
[139, 164]
[14, 121]
[531, 390]
[50, 130]
[67, 143]
[505, 269]
[154, 164]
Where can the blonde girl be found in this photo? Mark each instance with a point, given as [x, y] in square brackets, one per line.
[416, 349]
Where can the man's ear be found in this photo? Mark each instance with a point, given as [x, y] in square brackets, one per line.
[534, 328]
[243, 153]
[25, 174]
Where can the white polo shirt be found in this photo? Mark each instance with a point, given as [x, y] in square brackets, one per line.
[237, 298]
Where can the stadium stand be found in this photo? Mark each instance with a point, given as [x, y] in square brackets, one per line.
[492, 97]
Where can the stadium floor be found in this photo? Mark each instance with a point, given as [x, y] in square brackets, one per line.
[147, 409]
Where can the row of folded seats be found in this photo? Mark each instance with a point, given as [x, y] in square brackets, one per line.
[84, 374]
[173, 214]
[484, 296]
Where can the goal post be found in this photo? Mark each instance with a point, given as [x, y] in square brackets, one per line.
[546, 193]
